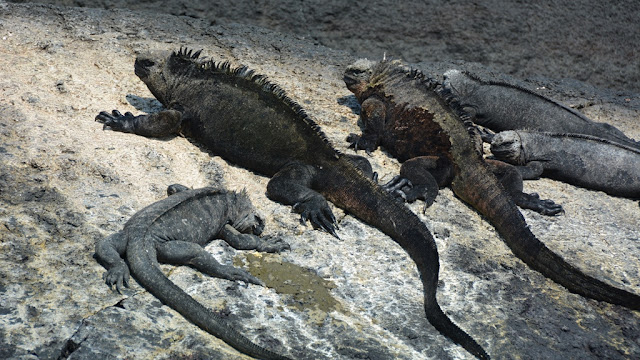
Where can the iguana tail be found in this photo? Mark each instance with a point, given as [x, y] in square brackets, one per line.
[482, 191]
[143, 264]
[364, 199]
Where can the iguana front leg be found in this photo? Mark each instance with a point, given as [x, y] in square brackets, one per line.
[240, 241]
[292, 185]
[192, 254]
[372, 115]
[420, 178]
[163, 123]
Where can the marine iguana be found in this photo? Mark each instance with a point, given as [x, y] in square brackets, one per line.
[500, 106]
[174, 230]
[419, 123]
[249, 121]
[406, 140]
[582, 160]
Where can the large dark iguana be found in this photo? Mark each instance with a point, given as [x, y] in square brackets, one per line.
[500, 106]
[174, 230]
[250, 122]
[416, 121]
[581, 160]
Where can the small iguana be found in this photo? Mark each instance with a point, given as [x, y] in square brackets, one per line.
[581, 160]
[250, 122]
[418, 122]
[174, 230]
[500, 106]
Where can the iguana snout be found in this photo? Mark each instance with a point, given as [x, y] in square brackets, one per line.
[508, 145]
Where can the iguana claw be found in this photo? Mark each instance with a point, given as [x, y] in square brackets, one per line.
[118, 276]
[115, 120]
[319, 214]
[358, 142]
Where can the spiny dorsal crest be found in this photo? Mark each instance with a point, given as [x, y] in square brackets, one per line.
[393, 68]
[259, 83]
[187, 53]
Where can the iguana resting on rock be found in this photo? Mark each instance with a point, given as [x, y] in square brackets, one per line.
[500, 106]
[252, 123]
[414, 118]
[581, 160]
[174, 230]
[407, 140]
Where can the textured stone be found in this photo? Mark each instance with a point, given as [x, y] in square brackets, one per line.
[64, 184]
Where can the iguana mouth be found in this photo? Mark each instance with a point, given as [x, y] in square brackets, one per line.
[141, 67]
[349, 81]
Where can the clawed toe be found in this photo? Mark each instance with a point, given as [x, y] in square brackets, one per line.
[274, 245]
[319, 214]
[118, 276]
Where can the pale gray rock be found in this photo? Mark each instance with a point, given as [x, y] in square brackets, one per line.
[65, 184]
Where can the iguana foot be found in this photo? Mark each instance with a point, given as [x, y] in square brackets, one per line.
[403, 188]
[272, 245]
[236, 274]
[116, 121]
[118, 275]
[533, 202]
[318, 212]
[241, 241]
[358, 142]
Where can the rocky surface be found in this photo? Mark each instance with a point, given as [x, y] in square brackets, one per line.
[589, 40]
[65, 183]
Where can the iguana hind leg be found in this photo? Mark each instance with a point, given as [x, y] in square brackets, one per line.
[292, 186]
[110, 251]
[363, 164]
[511, 179]
[192, 254]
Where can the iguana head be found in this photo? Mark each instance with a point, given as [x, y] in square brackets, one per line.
[459, 82]
[507, 146]
[357, 76]
[244, 217]
[161, 71]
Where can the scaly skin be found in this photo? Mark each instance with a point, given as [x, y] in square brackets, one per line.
[581, 160]
[414, 119]
[252, 123]
[174, 230]
[500, 106]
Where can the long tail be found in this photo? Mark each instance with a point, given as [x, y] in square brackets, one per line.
[367, 201]
[144, 268]
[490, 199]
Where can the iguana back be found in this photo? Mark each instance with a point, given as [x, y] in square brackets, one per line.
[500, 106]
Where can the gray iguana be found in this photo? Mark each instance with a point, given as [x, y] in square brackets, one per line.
[417, 121]
[500, 106]
[174, 230]
[582, 160]
[250, 122]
